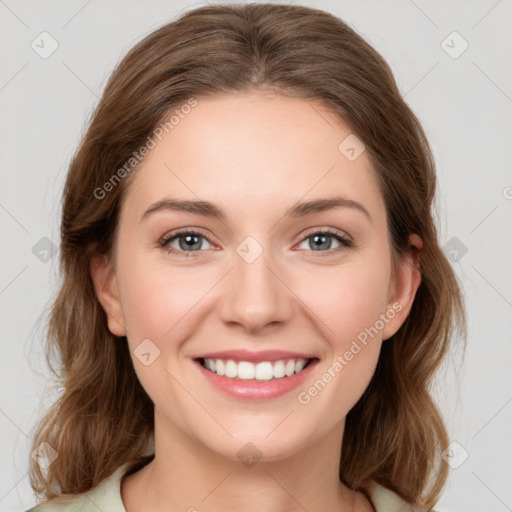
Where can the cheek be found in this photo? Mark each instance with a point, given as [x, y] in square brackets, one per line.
[156, 299]
[348, 299]
[158, 304]
[350, 305]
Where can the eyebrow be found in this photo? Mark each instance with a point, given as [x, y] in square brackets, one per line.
[207, 209]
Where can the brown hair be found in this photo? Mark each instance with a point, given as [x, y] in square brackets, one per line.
[104, 418]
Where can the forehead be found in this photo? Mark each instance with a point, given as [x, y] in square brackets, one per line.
[255, 152]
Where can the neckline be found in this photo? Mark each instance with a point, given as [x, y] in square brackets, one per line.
[381, 498]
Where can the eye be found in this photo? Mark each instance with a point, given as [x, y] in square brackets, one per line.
[186, 239]
[322, 239]
[190, 241]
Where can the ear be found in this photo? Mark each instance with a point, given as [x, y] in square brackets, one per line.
[105, 286]
[403, 287]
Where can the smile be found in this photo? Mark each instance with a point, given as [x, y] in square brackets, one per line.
[263, 371]
[260, 380]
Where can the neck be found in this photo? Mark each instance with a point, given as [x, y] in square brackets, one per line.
[186, 475]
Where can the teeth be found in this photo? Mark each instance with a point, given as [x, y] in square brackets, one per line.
[299, 365]
[289, 369]
[264, 371]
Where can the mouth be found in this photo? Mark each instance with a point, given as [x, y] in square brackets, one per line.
[263, 371]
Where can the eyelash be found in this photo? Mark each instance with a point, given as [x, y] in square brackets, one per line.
[346, 243]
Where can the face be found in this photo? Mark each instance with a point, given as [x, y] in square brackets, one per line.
[256, 281]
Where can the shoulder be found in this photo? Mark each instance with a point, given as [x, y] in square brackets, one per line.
[386, 500]
[106, 496]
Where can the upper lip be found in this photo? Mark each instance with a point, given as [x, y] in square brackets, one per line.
[255, 357]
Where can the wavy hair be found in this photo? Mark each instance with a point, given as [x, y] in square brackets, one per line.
[103, 418]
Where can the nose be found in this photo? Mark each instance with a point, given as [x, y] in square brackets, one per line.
[255, 293]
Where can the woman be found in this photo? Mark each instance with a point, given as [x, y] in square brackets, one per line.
[217, 350]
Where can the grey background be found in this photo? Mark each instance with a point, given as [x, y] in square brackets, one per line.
[464, 103]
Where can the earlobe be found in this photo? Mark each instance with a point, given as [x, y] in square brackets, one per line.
[105, 286]
[403, 288]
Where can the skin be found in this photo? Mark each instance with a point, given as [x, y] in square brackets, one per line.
[254, 155]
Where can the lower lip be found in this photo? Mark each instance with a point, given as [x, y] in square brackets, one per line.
[254, 390]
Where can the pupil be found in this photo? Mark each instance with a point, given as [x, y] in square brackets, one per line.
[189, 243]
[319, 237]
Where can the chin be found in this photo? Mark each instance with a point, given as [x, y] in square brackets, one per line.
[250, 447]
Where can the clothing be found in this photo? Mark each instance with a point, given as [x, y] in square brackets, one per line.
[107, 498]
